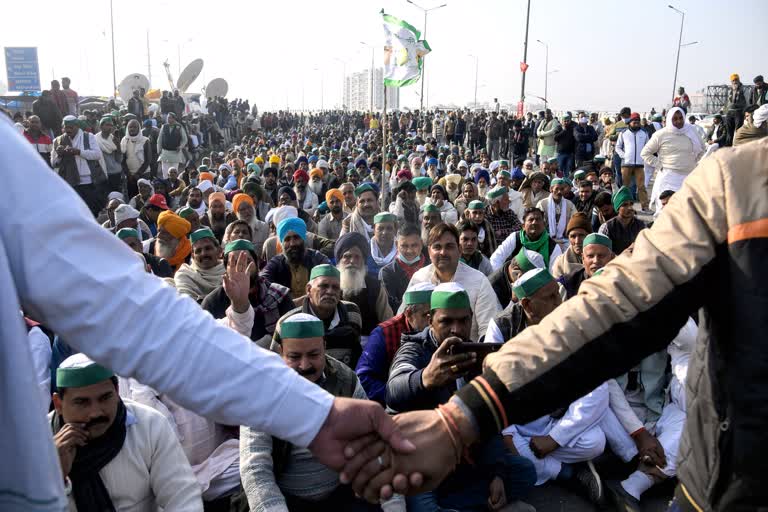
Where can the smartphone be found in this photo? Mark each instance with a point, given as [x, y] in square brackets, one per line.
[481, 349]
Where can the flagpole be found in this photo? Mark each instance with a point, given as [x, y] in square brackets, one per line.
[383, 142]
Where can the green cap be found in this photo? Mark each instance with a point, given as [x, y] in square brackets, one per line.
[597, 239]
[579, 175]
[127, 233]
[203, 233]
[449, 296]
[365, 187]
[552, 160]
[239, 245]
[504, 174]
[496, 193]
[203, 168]
[558, 181]
[620, 197]
[476, 205]
[324, 270]
[504, 162]
[422, 182]
[599, 158]
[185, 212]
[429, 207]
[79, 370]
[528, 260]
[302, 326]
[419, 293]
[384, 217]
[531, 282]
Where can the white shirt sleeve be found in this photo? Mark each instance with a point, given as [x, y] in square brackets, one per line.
[493, 334]
[499, 256]
[77, 278]
[40, 347]
[621, 408]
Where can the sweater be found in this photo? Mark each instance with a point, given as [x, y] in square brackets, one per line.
[675, 152]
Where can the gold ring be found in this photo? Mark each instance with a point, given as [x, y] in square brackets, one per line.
[454, 368]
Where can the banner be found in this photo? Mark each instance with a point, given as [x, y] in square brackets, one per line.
[403, 52]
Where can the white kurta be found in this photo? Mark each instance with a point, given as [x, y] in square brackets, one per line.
[151, 470]
[81, 281]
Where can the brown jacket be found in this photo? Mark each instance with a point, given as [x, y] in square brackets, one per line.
[706, 253]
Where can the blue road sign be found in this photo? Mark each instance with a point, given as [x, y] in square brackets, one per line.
[22, 68]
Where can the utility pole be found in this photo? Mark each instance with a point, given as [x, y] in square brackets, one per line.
[477, 61]
[149, 63]
[525, 53]
[112, 28]
[679, 47]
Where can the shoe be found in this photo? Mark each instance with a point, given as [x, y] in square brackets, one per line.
[586, 482]
[619, 498]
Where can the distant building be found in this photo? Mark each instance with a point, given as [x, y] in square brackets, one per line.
[357, 92]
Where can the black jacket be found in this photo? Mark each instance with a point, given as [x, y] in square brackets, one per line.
[566, 142]
[278, 270]
[585, 137]
[405, 389]
[395, 282]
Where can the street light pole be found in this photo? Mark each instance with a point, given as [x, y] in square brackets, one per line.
[679, 47]
[546, 73]
[112, 28]
[525, 54]
[423, 59]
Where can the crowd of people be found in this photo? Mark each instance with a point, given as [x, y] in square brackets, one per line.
[371, 253]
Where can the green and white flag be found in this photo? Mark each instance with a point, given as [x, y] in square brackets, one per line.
[403, 52]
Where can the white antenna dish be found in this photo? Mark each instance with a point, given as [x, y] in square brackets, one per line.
[132, 83]
[189, 75]
[217, 87]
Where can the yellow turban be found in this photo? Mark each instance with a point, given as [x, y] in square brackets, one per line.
[240, 199]
[734, 76]
[177, 226]
[334, 192]
[316, 172]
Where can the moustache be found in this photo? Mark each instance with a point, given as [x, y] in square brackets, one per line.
[308, 372]
[96, 421]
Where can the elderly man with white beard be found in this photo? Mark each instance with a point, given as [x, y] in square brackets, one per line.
[171, 242]
[358, 285]
[243, 206]
[316, 183]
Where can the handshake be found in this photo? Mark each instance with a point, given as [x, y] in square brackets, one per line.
[379, 455]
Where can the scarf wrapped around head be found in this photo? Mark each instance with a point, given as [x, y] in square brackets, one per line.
[687, 129]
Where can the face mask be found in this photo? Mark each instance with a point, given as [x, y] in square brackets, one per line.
[583, 120]
[194, 182]
[406, 261]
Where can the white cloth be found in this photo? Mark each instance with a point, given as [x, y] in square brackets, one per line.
[577, 433]
[380, 259]
[150, 471]
[133, 149]
[94, 296]
[482, 298]
[556, 221]
[678, 149]
[516, 203]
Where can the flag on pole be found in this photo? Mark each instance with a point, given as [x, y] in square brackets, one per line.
[403, 52]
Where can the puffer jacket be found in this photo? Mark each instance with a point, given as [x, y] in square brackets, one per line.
[630, 145]
[704, 254]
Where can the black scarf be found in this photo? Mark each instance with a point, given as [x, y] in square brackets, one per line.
[87, 487]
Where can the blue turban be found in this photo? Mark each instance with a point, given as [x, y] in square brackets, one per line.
[231, 183]
[361, 162]
[518, 174]
[482, 173]
[301, 159]
[312, 159]
[147, 122]
[432, 161]
[294, 224]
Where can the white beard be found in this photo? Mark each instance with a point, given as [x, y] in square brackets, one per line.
[481, 191]
[316, 187]
[352, 280]
[165, 251]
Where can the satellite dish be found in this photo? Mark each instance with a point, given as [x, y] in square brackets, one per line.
[132, 83]
[189, 75]
[217, 87]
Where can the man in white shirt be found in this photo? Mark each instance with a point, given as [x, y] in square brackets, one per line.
[557, 212]
[76, 156]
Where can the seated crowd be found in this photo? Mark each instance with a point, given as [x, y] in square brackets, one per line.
[368, 269]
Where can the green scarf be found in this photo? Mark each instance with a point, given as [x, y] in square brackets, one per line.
[540, 246]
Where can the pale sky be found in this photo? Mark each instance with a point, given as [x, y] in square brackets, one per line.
[608, 53]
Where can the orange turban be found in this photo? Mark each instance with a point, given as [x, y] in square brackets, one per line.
[217, 196]
[178, 228]
[334, 192]
[239, 199]
[316, 172]
[206, 176]
[172, 223]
